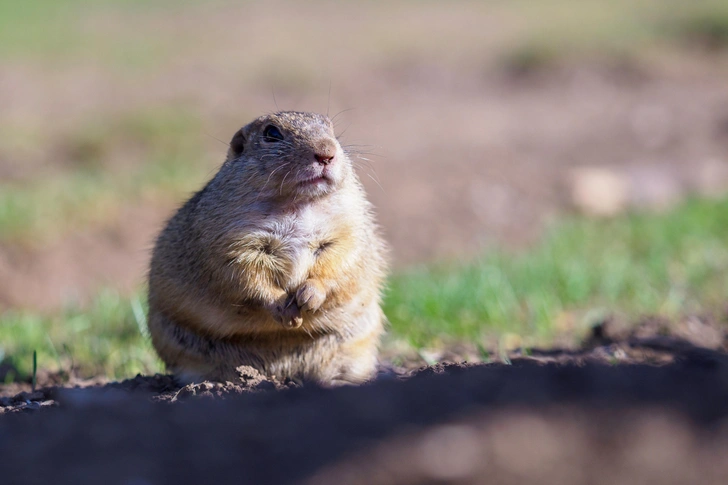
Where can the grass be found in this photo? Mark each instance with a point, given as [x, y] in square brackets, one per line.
[108, 338]
[668, 264]
[161, 157]
[704, 25]
[56, 31]
[61, 31]
[616, 30]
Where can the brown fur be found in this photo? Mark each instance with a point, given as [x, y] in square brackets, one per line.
[263, 267]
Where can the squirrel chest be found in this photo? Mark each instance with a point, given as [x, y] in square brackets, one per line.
[287, 249]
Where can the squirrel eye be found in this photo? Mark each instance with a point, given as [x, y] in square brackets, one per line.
[272, 134]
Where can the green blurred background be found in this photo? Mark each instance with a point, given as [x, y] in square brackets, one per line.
[538, 166]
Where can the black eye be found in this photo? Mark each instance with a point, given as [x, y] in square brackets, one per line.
[272, 134]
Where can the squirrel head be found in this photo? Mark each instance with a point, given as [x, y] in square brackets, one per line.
[289, 155]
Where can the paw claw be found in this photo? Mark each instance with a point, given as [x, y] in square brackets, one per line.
[289, 314]
[310, 296]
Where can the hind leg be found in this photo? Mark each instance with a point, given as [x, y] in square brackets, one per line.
[193, 358]
[184, 353]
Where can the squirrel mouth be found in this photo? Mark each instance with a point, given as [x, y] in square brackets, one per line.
[314, 180]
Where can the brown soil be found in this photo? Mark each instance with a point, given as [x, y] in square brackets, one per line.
[644, 409]
[71, 270]
[446, 424]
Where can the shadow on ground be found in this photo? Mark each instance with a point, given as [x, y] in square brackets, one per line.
[571, 419]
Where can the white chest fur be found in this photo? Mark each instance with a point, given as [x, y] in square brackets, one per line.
[299, 234]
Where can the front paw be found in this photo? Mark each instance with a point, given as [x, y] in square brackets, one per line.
[310, 296]
[288, 314]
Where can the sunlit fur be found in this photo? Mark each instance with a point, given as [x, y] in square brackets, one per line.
[263, 268]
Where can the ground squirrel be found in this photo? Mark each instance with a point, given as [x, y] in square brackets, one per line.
[276, 263]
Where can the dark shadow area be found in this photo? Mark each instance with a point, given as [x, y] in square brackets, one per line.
[114, 436]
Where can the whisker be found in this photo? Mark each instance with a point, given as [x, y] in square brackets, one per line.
[361, 149]
[215, 138]
[272, 173]
[364, 161]
[376, 182]
[365, 169]
[343, 132]
[280, 192]
[333, 120]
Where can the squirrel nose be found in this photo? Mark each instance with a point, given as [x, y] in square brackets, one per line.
[324, 158]
[325, 153]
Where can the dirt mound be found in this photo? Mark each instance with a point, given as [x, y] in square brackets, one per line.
[459, 423]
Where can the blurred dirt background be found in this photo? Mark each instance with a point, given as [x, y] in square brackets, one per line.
[474, 124]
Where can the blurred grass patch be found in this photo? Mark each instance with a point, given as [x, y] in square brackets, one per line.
[108, 338]
[40, 26]
[640, 264]
[529, 58]
[55, 31]
[563, 31]
[702, 23]
[114, 34]
[149, 154]
[666, 264]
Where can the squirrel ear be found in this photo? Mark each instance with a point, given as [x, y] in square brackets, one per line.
[237, 144]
